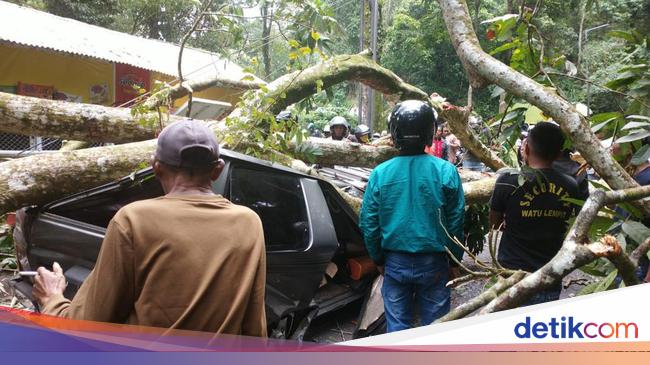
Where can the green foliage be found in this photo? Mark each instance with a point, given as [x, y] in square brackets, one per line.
[634, 78]
[322, 107]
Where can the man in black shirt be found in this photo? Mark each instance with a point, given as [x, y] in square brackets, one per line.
[533, 206]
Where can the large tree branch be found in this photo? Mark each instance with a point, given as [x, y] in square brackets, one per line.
[20, 114]
[37, 180]
[167, 95]
[457, 118]
[477, 62]
[295, 86]
[74, 121]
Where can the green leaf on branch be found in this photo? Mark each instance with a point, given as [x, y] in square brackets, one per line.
[633, 137]
[636, 231]
[503, 47]
[632, 125]
[642, 117]
[600, 126]
[641, 156]
[606, 283]
[600, 117]
[600, 267]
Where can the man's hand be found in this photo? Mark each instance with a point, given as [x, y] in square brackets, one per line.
[381, 270]
[48, 283]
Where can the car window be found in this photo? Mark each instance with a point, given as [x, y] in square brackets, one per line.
[278, 200]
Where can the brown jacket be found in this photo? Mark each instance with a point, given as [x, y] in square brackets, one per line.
[182, 262]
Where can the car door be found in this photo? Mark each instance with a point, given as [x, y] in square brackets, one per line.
[299, 233]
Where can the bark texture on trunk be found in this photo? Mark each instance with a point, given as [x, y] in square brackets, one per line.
[351, 154]
[457, 118]
[478, 62]
[42, 178]
[74, 121]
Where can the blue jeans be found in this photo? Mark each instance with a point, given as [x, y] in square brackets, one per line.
[411, 279]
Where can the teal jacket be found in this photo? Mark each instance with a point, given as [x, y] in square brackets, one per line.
[406, 199]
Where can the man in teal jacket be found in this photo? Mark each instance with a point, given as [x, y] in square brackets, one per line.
[412, 202]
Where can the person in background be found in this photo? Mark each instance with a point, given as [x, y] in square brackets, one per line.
[454, 144]
[522, 135]
[362, 133]
[438, 147]
[642, 173]
[470, 161]
[171, 261]
[407, 201]
[534, 213]
[314, 131]
[339, 129]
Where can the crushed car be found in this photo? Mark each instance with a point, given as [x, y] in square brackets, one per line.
[316, 258]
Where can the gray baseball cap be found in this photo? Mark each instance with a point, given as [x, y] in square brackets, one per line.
[182, 135]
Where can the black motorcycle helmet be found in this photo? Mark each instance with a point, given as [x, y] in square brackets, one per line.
[361, 130]
[412, 125]
[284, 115]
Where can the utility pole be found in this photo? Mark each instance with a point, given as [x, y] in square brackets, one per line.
[374, 8]
[362, 28]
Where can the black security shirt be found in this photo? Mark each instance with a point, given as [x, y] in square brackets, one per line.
[535, 216]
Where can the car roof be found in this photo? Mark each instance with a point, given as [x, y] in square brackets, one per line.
[136, 175]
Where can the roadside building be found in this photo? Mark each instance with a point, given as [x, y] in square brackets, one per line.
[52, 57]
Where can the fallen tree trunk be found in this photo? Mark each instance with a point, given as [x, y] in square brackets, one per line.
[36, 180]
[482, 67]
[28, 115]
[39, 179]
[42, 178]
[350, 154]
[73, 121]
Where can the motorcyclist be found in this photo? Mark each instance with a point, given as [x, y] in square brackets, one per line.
[362, 132]
[339, 129]
[410, 203]
[314, 131]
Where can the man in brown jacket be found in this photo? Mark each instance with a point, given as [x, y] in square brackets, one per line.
[187, 260]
